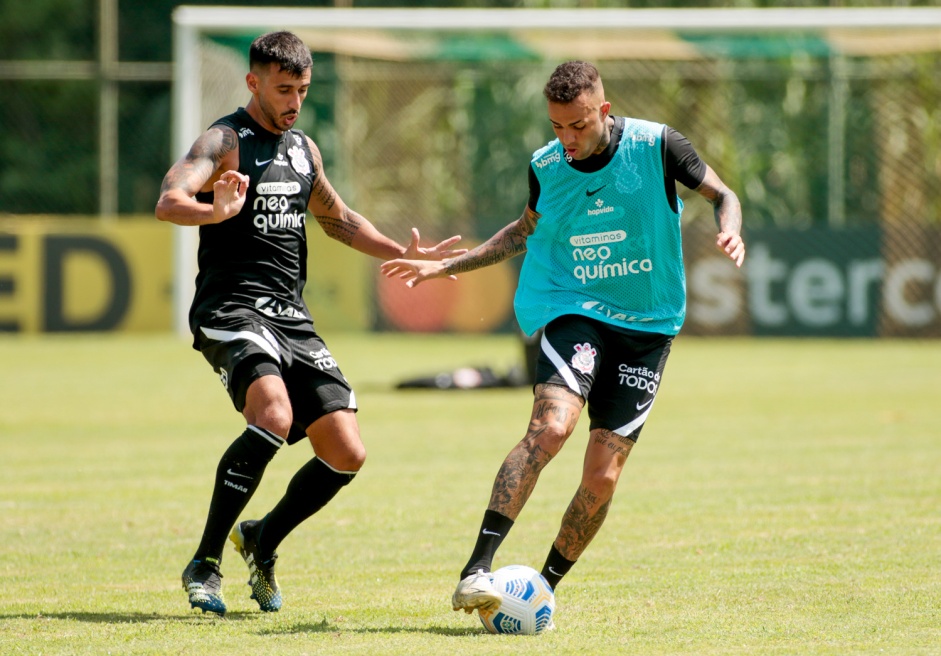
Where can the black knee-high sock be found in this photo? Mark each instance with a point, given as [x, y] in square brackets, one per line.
[237, 477]
[556, 567]
[492, 532]
[311, 489]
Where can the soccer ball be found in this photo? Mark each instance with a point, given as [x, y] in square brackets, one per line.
[528, 602]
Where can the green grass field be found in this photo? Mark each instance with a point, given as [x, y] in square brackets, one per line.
[783, 499]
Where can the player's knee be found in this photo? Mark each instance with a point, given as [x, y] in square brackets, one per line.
[275, 417]
[602, 482]
[349, 459]
[550, 436]
[355, 457]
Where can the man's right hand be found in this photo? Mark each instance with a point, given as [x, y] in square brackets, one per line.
[229, 193]
[414, 271]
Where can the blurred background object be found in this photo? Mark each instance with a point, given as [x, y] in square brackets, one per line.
[824, 120]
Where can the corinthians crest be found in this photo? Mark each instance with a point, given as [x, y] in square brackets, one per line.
[584, 358]
[299, 160]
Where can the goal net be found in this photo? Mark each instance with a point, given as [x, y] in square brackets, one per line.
[824, 121]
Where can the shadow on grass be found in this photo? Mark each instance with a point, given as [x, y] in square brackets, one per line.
[126, 618]
[324, 626]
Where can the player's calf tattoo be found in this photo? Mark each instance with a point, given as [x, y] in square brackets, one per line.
[581, 523]
[517, 477]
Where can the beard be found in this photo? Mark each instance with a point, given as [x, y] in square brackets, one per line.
[280, 121]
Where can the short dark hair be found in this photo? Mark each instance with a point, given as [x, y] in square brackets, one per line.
[569, 80]
[283, 48]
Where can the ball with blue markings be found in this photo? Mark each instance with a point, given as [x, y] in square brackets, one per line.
[528, 602]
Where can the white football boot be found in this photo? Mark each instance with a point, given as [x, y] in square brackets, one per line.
[476, 591]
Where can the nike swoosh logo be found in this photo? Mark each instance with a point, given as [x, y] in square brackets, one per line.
[590, 193]
[641, 406]
[554, 573]
[257, 163]
[232, 473]
[486, 532]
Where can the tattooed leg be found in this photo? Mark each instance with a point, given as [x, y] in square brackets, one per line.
[604, 461]
[555, 413]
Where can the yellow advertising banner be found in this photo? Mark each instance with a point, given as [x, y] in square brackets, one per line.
[85, 274]
[338, 284]
[74, 275]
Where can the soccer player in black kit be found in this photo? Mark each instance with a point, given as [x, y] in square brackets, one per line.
[248, 182]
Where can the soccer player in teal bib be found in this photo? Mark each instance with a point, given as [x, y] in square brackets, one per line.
[603, 280]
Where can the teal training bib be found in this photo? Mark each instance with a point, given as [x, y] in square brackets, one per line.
[608, 244]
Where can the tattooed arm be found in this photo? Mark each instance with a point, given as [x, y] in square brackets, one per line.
[506, 243]
[353, 229]
[728, 213]
[340, 222]
[210, 165]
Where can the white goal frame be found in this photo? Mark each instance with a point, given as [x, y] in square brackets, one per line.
[190, 22]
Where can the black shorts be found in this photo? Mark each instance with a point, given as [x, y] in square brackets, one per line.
[244, 348]
[617, 371]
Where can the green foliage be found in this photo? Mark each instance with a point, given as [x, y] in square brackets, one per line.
[49, 157]
[48, 30]
[144, 146]
[507, 123]
[772, 98]
[779, 128]
[782, 500]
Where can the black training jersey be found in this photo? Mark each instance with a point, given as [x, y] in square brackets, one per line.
[258, 259]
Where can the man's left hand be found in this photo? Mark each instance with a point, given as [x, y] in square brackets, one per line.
[732, 245]
[438, 252]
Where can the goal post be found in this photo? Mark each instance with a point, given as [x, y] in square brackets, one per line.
[775, 97]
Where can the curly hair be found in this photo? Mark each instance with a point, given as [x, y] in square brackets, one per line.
[569, 80]
[283, 48]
